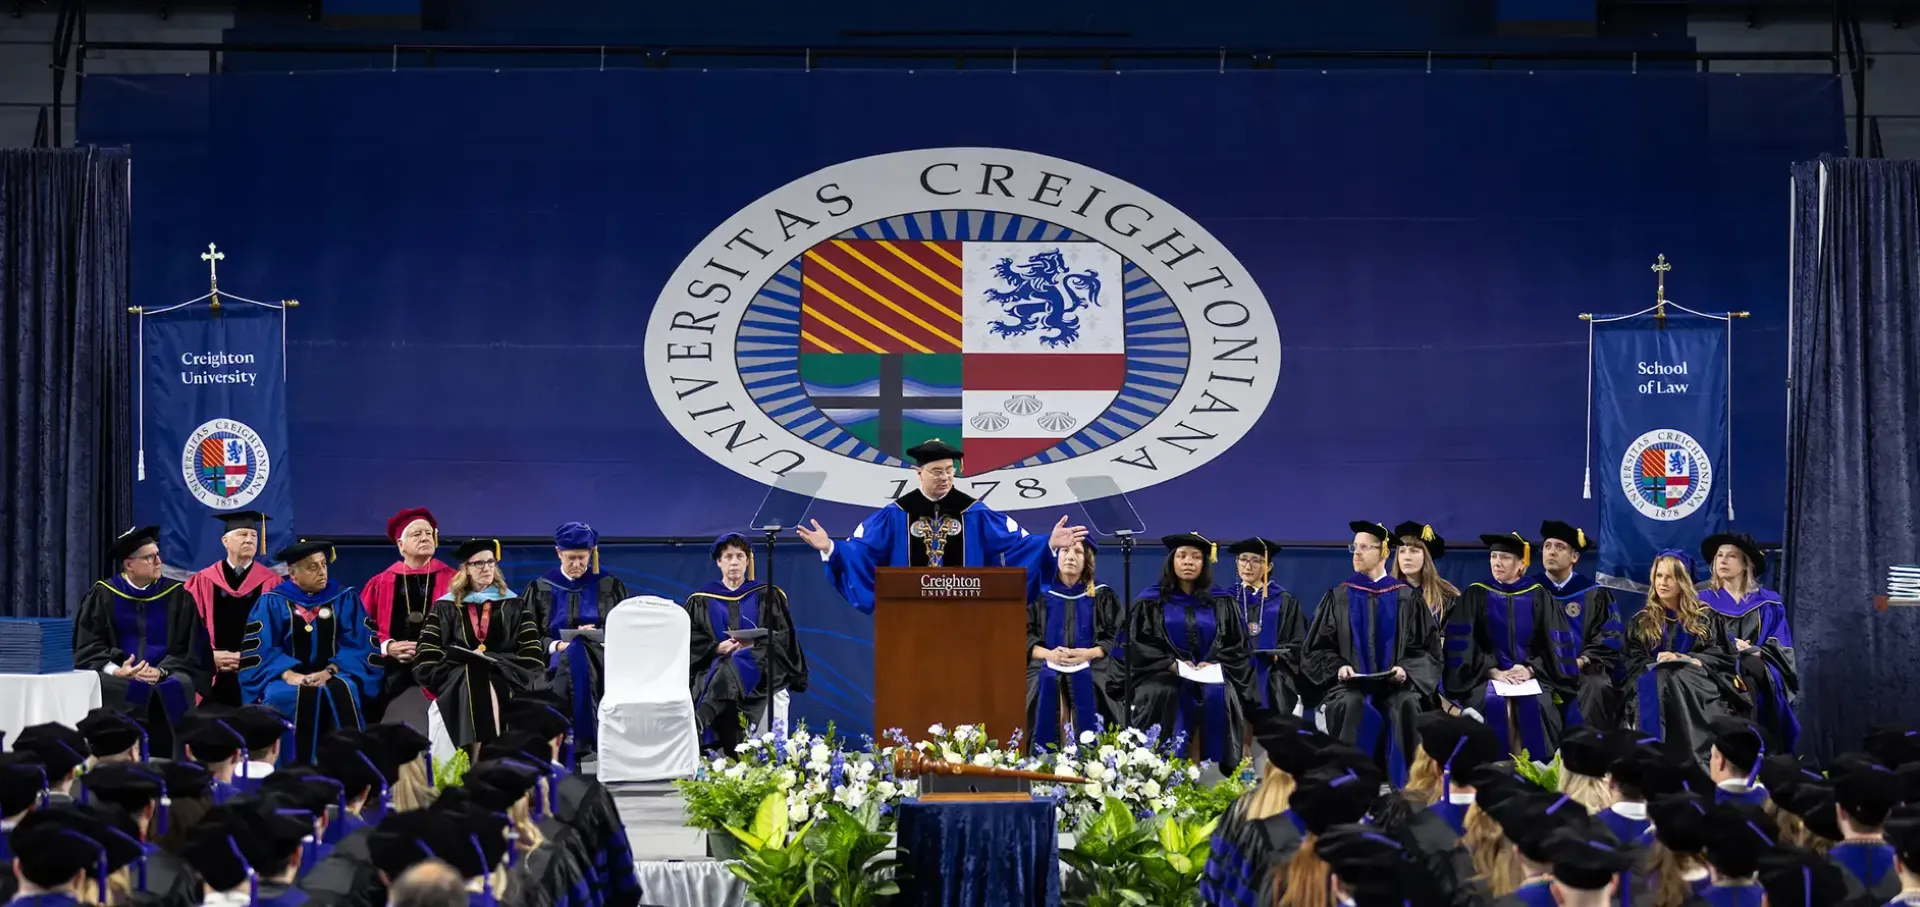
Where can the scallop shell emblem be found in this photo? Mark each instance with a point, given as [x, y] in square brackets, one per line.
[989, 421]
[1023, 404]
[1057, 422]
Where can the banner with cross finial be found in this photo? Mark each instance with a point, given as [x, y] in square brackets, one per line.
[212, 421]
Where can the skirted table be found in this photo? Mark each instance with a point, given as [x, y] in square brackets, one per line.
[30, 699]
[979, 853]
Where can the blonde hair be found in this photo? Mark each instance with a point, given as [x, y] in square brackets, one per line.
[1690, 612]
[527, 837]
[1593, 793]
[1304, 883]
[462, 585]
[1669, 870]
[412, 789]
[1434, 589]
[1752, 572]
[1273, 795]
[1494, 862]
[1424, 785]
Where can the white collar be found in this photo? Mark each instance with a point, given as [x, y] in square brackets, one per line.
[1695, 874]
[1739, 786]
[1634, 811]
[1459, 799]
[254, 770]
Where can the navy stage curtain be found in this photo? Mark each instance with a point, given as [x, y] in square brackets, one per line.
[1853, 506]
[64, 425]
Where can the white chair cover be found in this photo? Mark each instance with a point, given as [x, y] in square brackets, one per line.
[647, 730]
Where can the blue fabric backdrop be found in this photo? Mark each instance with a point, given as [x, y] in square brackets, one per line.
[477, 254]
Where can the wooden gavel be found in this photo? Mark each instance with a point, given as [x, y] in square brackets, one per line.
[910, 764]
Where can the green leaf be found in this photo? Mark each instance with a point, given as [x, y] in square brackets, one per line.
[770, 820]
[753, 841]
[1133, 897]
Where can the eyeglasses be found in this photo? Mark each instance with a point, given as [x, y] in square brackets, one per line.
[153, 558]
[944, 472]
[1356, 549]
[483, 563]
[1251, 560]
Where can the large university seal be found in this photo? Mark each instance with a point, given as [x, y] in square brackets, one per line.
[1666, 475]
[225, 464]
[1052, 319]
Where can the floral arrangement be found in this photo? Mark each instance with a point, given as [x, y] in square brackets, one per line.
[1135, 768]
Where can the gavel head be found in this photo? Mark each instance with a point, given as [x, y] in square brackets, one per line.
[908, 763]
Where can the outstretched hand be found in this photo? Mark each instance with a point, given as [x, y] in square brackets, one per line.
[1065, 536]
[815, 537]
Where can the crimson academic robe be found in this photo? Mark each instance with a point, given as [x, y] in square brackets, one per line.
[224, 599]
[560, 602]
[396, 602]
[117, 623]
[502, 657]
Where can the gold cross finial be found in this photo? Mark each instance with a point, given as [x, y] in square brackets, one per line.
[1660, 269]
[213, 257]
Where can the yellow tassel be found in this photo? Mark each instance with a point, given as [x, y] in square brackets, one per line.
[496, 549]
[596, 559]
[749, 563]
[1213, 548]
[1581, 537]
[1526, 550]
[333, 554]
[1426, 533]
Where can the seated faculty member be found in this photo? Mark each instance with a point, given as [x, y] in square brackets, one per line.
[574, 596]
[225, 592]
[1756, 627]
[142, 633]
[1179, 627]
[306, 651]
[1595, 622]
[1071, 633]
[480, 647]
[1504, 632]
[936, 525]
[396, 602]
[1276, 627]
[734, 677]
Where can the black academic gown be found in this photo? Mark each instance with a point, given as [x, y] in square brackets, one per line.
[555, 874]
[1496, 626]
[1595, 620]
[346, 877]
[1166, 627]
[1072, 617]
[168, 880]
[1276, 636]
[1675, 701]
[587, 806]
[1446, 859]
[1374, 626]
[560, 603]
[741, 683]
[1246, 853]
[469, 689]
[160, 625]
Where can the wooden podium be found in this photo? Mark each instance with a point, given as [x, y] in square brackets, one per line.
[949, 647]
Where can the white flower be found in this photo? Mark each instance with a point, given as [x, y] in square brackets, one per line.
[1164, 804]
[1087, 737]
[821, 753]
[766, 737]
[736, 770]
[951, 755]
[743, 747]
[1193, 773]
[1150, 789]
[784, 779]
[983, 759]
[1092, 790]
[797, 813]
[937, 730]
[1108, 750]
[886, 790]
[1069, 750]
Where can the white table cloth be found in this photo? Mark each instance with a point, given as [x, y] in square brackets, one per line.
[30, 699]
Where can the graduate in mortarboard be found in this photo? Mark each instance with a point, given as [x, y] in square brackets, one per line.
[225, 592]
[936, 525]
[189, 795]
[143, 634]
[140, 792]
[1902, 832]
[539, 733]
[1177, 629]
[55, 854]
[61, 749]
[1676, 868]
[306, 651]
[1508, 631]
[411, 785]
[249, 853]
[1794, 877]
[1276, 628]
[1738, 835]
[1594, 620]
[1072, 630]
[480, 648]
[1452, 749]
[396, 601]
[1375, 645]
[360, 764]
[1737, 749]
[1863, 798]
[1678, 669]
[1587, 866]
[575, 596]
[734, 677]
[113, 736]
[1756, 627]
[1259, 833]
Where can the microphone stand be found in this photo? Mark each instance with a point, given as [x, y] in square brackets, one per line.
[1126, 565]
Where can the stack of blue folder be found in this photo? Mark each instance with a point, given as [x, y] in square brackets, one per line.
[36, 645]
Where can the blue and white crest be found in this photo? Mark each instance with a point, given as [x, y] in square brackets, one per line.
[1043, 295]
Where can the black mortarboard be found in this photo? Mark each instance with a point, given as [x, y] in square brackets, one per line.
[1794, 877]
[1554, 529]
[1894, 745]
[1191, 540]
[299, 551]
[1298, 752]
[60, 748]
[510, 779]
[1867, 793]
[1329, 796]
[1846, 763]
[932, 452]
[358, 759]
[1494, 786]
[518, 744]
[244, 519]
[303, 788]
[1458, 744]
[1508, 542]
[213, 733]
[1586, 860]
[1371, 865]
[1632, 764]
[403, 839]
[472, 838]
[1902, 830]
[22, 782]
[110, 732]
[126, 785]
[1741, 742]
[185, 780]
[1377, 530]
[1529, 819]
[538, 718]
[1813, 802]
[403, 743]
[245, 833]
[1264, 547]
[1676, 772]
[1783, 769]
[54, 844]
[1737, 835]
[114, 830]
[130, 541]
[1680, 821]
[1436, 546]
[1587, 751]
[1755, 557]
[471, 547]
[260, 725]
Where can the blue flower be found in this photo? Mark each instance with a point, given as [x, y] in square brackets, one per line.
[1153, 736]
[1179, 742]
[1099, 723]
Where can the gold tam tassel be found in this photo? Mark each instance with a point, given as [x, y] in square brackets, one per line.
[595, 568]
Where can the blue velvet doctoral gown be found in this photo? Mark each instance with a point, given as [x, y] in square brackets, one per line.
[895, 537]
[293, 630]
[1760, 618]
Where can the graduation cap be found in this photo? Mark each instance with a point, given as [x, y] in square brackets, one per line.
[579, 537]
[130, 787]
[1680, 821]
[398, 523]
[109, 732]
[543, 720]
[1509, 543]
[1794, 877]
[52, 845]
[1554, 529]
[1867, 793]
[119, 834]
[1377, 530]
[1192, 540]
[211, 731]
[360, 762]
[1328, 795]
[1436, 546]
[1785, 769]
[1586, 751]
[403, 745]
[260, 725]
[241, 838]
[1676, 772]
[244, 519]
[1894, 745]
[1530, 819]
[1459, 745]
[1686, 560]
[933, 451]
[1741, 743]
[1633, 764]
[1586, 859]
[130, 541]
[405, 838]
[472, 547]
[23, 782]
[1756, 558]
[60, 748]
[1902, 830]
[1263, 547]
[304, 788]
[511, 779]
[1373, 867]
[299, 551]
[184, 780]
[470, 838]
[1738, 834]
[1813, 803]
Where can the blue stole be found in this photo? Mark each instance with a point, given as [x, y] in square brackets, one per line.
[1625, 830]
[1868, 861]
[1510, 624]
[1373, 620]
[1773, 623]
[222, 791]
[1057, 629]
[1756, 795]
[579, 664]
[1646, 688]
[45, 900]
[1454, 814]
[140, 618]
[745, 661]
[1262, 608]
[1537, 893]
[1202, 710]
[1734, 895]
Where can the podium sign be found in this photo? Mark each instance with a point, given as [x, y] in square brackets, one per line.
[949, 647]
